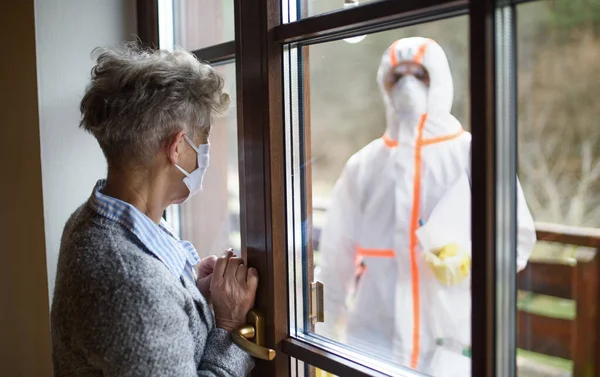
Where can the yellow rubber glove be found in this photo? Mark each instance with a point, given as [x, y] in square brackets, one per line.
[450, 264]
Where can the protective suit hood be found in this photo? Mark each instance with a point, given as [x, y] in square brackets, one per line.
[439, 122]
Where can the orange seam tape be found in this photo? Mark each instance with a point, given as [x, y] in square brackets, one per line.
[418, 58]
[414, 267]
[421, 52]
[389, 142]
[378, 253]
[440, 139]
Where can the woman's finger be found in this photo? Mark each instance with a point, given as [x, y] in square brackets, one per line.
[240, 274]
[207, 265]
[232, 266]
[221, 264]
[252, 279]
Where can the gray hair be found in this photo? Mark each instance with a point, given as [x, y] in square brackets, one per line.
[138, 97]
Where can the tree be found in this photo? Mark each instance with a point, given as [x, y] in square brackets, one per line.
[558, 123]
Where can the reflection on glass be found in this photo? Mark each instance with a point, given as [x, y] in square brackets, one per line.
[210, 220]
[559, 162]
[202, 23]
[391, 195]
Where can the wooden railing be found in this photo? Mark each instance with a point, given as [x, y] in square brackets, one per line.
[577, 339]
[578, 279]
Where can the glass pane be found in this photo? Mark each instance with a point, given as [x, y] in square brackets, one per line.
[315, 7]
[559, 163]
[210, 220]
[202, 23]
[378, 162]
[559, 138]
[299, 369]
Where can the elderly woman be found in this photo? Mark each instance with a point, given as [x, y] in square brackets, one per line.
[131, 298]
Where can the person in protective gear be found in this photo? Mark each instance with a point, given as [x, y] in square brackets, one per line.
[386, 191]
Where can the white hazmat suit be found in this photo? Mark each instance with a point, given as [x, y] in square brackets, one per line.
[385, 190]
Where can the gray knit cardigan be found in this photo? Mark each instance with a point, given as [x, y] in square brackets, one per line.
[119, 311]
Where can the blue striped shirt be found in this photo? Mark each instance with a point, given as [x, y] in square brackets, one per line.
[179, 256]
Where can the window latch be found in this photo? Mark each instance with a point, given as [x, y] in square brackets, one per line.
[317, 311]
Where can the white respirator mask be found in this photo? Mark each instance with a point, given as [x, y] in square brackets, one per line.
[409, 95]
[193, 180]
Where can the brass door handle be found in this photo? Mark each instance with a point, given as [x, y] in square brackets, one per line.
[254, 330]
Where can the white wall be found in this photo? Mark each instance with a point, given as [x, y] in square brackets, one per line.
[67, 31]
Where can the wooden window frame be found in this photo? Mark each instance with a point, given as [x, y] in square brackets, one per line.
[221, 53]
[147, 22]
[258, 50]
[483, 89]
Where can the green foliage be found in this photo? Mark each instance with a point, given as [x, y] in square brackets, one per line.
[561, 364]
[575, 14]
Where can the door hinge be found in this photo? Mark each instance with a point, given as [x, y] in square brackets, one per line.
[317, 311]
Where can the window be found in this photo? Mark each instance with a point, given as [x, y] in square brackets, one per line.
[345, 123]
[202, 23]
[557, 139]
[308, 101]
[316, 7]
[559, 167]
[209, 220]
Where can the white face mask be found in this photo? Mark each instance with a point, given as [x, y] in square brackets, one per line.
[409, 95]
[193, 180]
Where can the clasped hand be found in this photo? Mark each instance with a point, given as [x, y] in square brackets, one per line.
[230, 285]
